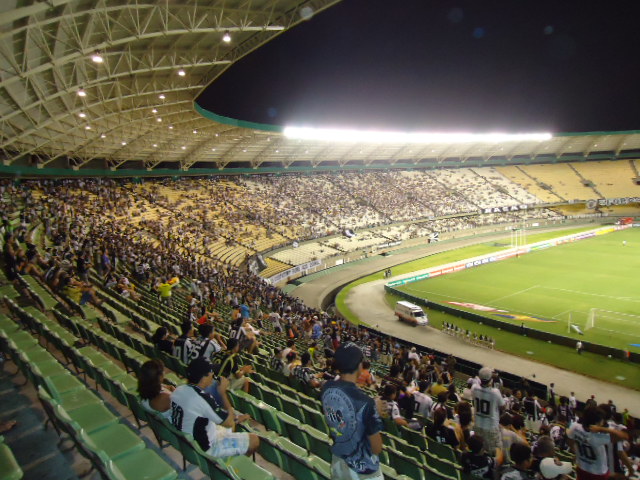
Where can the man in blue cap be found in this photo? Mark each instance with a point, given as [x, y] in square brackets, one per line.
[353, 420]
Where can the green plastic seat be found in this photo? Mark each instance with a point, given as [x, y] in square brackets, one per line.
[62, 383]
[292, 453]
[9, 468]
[24, 340]
[271, 453]
[95, 356]
[114, 371]
[319, 465]
[8, 326]
[319, 442]
[115, 441]
[271, 420]
[77, 398]
[405, 465]
[441, 450]
[36, 354]
[88, 417]
[244, 468]
[442, 467]
[48, 367]
[141, 465]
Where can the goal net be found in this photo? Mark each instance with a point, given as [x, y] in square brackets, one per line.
[611, 320]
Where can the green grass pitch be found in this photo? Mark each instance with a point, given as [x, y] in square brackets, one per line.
[562, 283]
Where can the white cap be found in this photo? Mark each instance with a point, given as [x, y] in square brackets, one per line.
[485, 373]
[550, 468]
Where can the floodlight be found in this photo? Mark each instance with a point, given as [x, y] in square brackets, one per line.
[97, 58]
[226, 37]
[371, 136]
[182, 73]
[82, 93]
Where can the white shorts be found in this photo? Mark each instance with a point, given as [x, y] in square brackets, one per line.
[229, 443]
[341, 471]
[492, 439]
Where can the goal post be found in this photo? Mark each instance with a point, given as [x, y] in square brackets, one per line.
[577, 321]
[611, 322]
[591, 319]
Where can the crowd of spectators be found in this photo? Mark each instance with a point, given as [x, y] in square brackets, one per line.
[87, 223]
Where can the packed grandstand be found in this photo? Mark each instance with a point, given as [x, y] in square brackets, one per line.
[87, 263]
[149, 252]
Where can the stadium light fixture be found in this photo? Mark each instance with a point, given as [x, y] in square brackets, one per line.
[103, 136]
[153, 110]
[226, 38]
[161, 96]
[82, 115]
[97, 58]
[155, 145]
[372, 136]
[123, 143]
[182, 73]
[87, 127]
[82, 93]
[158, 119]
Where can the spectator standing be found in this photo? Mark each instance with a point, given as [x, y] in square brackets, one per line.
[508, 435]
[365, 379]
[164, 290]
[487, 402]
[353, 420]
[589, 439]
[423, 401]
[532, 412]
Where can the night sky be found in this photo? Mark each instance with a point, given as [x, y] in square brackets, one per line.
[513, 65]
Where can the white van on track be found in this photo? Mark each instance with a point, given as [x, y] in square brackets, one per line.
[410, 313]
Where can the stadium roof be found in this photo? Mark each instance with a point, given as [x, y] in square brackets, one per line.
[99, 84]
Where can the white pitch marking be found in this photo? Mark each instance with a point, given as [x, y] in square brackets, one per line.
[628, 299]
[514, 293]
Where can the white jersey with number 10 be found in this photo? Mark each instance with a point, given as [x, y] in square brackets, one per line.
[591, 453]
[487, 402]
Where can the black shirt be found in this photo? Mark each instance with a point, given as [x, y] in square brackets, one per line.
[477, 465]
